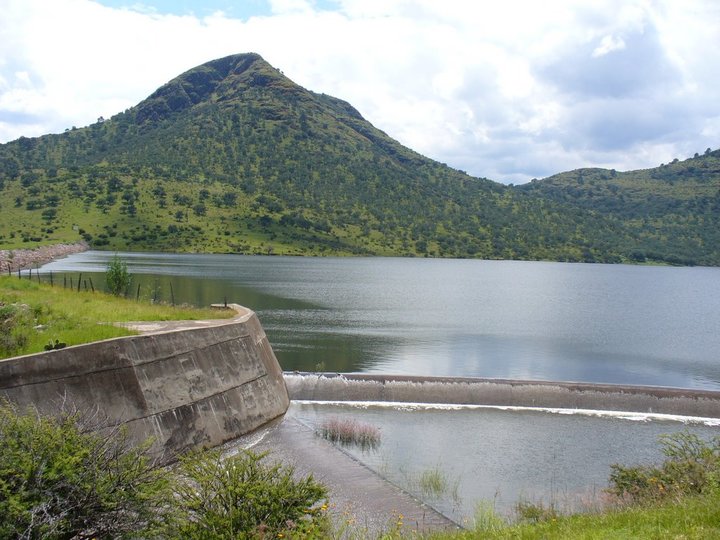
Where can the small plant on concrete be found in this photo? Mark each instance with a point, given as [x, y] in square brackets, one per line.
[117, 276]
[351, 432]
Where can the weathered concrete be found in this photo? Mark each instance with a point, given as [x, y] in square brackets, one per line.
[184, 384]
[360, 499]
[503, 392]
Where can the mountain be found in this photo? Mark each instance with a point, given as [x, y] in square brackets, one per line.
[672, 211]
[232, 156]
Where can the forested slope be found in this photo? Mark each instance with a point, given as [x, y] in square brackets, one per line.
[232, 156]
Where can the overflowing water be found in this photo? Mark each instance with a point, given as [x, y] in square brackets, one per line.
[500, 455]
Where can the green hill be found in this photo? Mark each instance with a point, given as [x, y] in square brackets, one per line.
[672, 212]
[232, 156]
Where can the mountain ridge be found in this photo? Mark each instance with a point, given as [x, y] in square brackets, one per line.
[232, 156]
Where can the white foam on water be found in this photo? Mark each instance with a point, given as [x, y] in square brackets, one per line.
[621, 415]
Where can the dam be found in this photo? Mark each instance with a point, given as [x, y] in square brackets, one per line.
[339, 387]
[496, 442]
[184, 384]
[190, 384]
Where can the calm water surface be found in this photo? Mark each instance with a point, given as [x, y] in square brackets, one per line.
[530, 320]
[499, 456]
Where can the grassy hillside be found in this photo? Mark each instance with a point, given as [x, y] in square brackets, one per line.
[673, 210]
[33, 315]
[234, 157]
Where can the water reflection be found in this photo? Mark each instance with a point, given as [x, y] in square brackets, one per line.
[533, 320]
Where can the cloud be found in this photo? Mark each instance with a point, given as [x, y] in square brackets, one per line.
[508, 90]
[607, 45]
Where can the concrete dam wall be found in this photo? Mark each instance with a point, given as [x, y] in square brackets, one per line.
[185, 384]
[502, 392]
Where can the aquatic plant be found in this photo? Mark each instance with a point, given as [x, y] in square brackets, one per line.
[350, 432]
[435, 483]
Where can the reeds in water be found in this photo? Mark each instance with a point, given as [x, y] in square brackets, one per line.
[350, 432]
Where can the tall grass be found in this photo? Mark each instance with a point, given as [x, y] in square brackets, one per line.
[678, 499]
[350, 432]
[435, 483]
[37, 314]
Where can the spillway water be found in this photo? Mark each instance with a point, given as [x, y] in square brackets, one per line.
[500, 455]
[501, 441]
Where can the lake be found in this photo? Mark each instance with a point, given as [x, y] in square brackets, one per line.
[528, 320]
[509, 319]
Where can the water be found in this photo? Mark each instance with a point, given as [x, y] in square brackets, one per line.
[499, 456]
[529, 320]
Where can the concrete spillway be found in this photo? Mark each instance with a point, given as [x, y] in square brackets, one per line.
[503, 392]
[185, 384]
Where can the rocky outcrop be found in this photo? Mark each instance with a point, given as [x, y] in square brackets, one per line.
[19, 259]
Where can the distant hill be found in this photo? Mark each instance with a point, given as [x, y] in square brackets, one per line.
[232, 156]
[671, 212]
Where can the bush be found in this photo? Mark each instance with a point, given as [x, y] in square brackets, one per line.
[56, 481]
[692, 466]
[15, 319]
[117, 276]
[241, 497]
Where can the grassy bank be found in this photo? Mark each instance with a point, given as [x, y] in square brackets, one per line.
[34, 315]
[687, 517]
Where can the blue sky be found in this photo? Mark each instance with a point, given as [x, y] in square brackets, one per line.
[242, 10]
[510, 90]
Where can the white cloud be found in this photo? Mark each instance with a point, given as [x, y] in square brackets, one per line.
[607, 45]
[509, 90]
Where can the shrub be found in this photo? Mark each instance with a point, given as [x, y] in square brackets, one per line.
[241, 497]
[15, 319]
[56, 481]
[535, 512]
[691, 466]
[117, 276]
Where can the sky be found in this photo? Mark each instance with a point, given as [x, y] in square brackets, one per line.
[509, 90]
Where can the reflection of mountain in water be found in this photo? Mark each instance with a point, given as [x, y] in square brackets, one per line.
[507, 319]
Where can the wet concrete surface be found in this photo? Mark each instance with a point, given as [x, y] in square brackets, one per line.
[359, 498]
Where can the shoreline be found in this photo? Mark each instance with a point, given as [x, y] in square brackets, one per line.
[12, 260]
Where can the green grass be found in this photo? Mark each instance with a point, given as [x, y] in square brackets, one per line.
[689, 517]
[34, 314]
